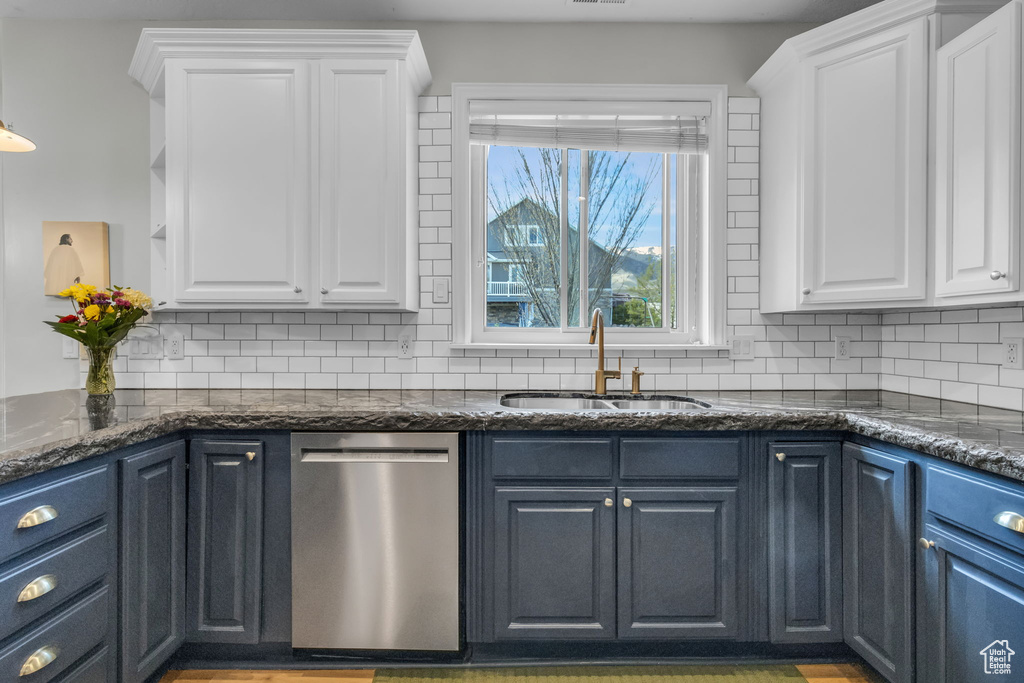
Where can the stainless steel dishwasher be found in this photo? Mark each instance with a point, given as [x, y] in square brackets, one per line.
[375, 541]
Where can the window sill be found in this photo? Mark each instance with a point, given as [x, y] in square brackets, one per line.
[614, 346]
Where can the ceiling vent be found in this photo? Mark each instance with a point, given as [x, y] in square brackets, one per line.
[596, 3]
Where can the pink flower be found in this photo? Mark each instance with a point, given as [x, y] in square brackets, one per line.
[122, 303]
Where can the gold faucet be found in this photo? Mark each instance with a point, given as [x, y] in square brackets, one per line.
[601, 376]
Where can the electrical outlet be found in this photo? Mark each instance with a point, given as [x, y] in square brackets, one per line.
[843, 348]
[70, 348]
[174, 347]
[741, 347]
[405, 345]
[1013, 353]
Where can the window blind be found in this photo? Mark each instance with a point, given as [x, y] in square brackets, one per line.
[675, 128]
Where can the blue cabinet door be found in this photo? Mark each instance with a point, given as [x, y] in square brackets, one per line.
[973, 611]
[878, 558]
[152, 577]
[554, 563]
[677, 563]
[225, 554]
[805, 593]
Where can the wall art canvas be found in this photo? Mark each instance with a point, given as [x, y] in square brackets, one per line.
[75, 252]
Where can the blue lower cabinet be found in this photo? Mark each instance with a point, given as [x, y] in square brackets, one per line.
[152, 576]
[554, 563]
[677, 563]
[805, 542]
[878, 559]
[225, 540]
[972, 610]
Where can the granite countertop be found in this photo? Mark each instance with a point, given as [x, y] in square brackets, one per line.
[42, 431]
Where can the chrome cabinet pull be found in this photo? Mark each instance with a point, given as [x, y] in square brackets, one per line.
[38, 588]
[251, 455]
[323, 290]
[925, 543]
[805, 291]
[40, 515]
[44, 656]
[780, 456]
[996, 274]
[627, 502]
[1010, 520]
[298, 290]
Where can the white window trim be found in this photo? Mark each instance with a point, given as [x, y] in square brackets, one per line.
[470, 333]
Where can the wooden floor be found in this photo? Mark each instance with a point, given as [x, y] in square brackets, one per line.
[814, 673]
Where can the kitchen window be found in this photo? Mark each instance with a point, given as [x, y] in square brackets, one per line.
[571, 198]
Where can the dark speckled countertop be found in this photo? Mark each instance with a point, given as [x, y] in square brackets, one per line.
[43, 431]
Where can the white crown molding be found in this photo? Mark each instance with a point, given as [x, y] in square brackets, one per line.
[868, 21]
[156, 45]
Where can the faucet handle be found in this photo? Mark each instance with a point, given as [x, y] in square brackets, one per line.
[637, 373]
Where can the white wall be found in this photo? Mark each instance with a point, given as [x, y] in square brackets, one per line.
[66, 86]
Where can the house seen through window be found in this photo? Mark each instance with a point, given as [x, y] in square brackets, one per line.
[578, 205]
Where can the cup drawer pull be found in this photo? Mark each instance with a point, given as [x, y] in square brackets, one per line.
[38, 588]
[1011, 520]
[40, 515]
[38, 659]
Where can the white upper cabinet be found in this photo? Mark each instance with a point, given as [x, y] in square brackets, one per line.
[845, 140]
[978, 144]
[865, 169]
[238, 162]
[286, 167]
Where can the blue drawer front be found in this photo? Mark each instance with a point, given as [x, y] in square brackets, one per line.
[72, 633]
[552, 458]
[73, 566]
[75, 501]
[970, 502]
[645, 458]
[95, 669]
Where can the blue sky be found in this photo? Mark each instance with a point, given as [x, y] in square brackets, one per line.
[504, 160]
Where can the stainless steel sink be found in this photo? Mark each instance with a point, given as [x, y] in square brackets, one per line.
[659, 404]
[554, 403]
[541, 402]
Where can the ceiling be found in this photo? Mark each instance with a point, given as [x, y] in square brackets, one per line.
[438, 10]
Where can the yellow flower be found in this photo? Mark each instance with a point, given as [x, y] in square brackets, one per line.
[137, 298]
[79, 292]
[92, 312]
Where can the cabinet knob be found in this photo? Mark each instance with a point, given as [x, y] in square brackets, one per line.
[1011, 520]
[925, 543]
[37, 516]
[323, 290]
[996, 275]
[805, 291]
[298, 290]
[38, 588]
[780, 456]
[608, 502]
[38, 659]
[627, 502]
[251, 455]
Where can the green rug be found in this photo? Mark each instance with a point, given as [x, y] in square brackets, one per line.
[597, 674]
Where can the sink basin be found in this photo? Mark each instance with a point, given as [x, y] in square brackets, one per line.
[555, 402]
[659, 404]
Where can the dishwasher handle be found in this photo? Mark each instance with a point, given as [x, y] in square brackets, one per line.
[375, 455]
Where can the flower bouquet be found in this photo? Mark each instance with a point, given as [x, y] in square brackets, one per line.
[100, 320]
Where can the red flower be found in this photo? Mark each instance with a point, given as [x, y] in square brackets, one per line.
[68, 319]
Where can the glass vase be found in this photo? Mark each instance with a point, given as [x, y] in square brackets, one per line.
[100, 380]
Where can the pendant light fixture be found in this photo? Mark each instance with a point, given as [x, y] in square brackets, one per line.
[12, 142]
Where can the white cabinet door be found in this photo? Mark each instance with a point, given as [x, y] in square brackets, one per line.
[238, 180]
[362, 183]
[865, 169]
[977, 158]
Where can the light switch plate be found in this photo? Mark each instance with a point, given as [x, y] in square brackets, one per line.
[145, 347]
[70, 348]
[741, 347]
[440, 290]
